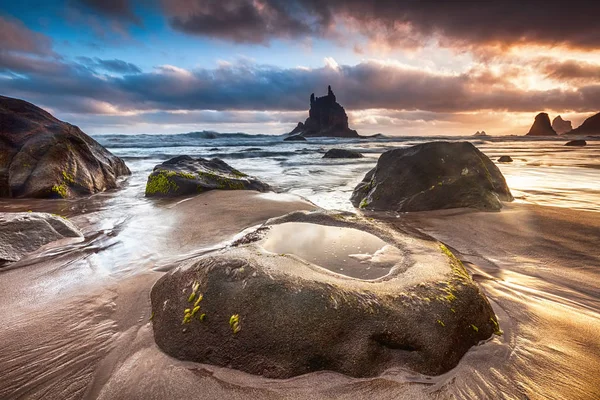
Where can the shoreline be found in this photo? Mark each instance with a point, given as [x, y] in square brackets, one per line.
[79, 325]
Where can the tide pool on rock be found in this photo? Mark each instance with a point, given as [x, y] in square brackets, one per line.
[293, 316]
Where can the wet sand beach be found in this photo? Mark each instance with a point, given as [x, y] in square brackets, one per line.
[76, 317]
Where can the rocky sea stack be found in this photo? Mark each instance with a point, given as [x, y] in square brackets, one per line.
[590, 126]
[541, 126]
[41, 156]
[326, 118]
[561, 126]
[277, 314]
[24, 232]
[184, 175]
[432, 176]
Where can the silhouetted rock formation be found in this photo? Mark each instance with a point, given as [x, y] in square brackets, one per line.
[183, 175]
[41, 156]
[342, 153]
[541, 126]
[325, 118]
[482, 133]
[505, 159]
[590, 126]
[561, 126]
[578, 143]
[432, 176]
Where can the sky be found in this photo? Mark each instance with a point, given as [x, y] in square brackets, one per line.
[398, 67]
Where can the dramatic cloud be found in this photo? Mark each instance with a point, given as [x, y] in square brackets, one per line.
[247, 86]
[117, 9]
[16, 37]
[114, 65]
[454, 24]
[571, 70]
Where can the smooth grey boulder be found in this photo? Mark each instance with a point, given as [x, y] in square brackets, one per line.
[431, 176]
[41, 156]
[184, 175]
[280, 315]
[24, 232]
[342, 153]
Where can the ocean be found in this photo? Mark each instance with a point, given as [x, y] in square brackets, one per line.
[543, 172]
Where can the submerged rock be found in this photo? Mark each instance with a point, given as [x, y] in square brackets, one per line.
[590, 126]
[281, 315]
[326, 117]
[294, 138]
[505, 159]
[541, 126]
[576, 143]
[184, 175]
[561, 126]
[41, 156]
[342, 153]
[24, 232]
[432, 176]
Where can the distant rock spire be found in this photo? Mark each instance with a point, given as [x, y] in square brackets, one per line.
[312, 99]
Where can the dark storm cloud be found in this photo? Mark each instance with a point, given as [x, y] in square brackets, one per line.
[571, 70]
[16, 37]
[116, 9]
[114, 65]
[258, 87]
[455, 23]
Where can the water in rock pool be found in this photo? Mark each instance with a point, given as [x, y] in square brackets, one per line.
[75, 317]
[346, 251]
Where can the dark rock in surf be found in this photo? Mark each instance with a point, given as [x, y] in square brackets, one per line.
[541, 126]
[342, 153]
[505, 159]
[432, 176]
[184, 175]
[561, 126]
[24, 232]
[590, 126]
[281, 316]
[326, 118]
[41, 156]
[295, 138]
[578, 143]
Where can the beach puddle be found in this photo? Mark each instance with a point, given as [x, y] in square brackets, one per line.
[346, 251]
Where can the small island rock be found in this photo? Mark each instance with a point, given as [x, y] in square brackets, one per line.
[342, 153]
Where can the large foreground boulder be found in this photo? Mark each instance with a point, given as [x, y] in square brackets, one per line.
[24, 232]
[183, 175]
[590, 126]
[432, 176]
[280, 315]
[541, 126]
[342, 153]
[41, 156]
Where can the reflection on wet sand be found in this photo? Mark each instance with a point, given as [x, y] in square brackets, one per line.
[75, 317]
[346, 251]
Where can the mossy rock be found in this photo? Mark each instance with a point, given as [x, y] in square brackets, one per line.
[280, 316]
[431, 176]
[41, 156]
[183, 175]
